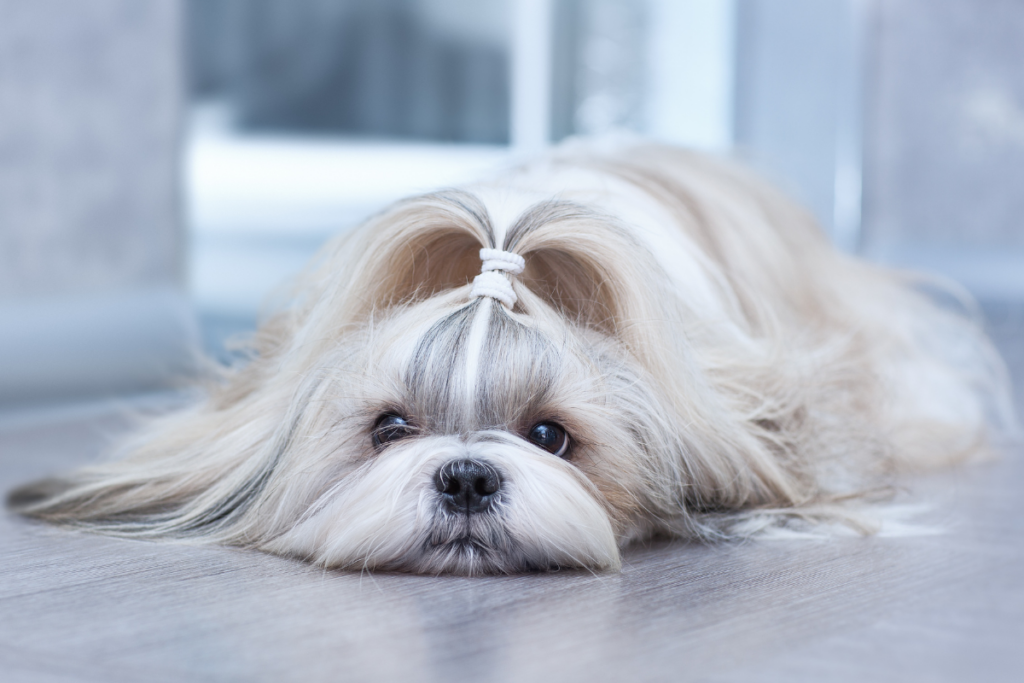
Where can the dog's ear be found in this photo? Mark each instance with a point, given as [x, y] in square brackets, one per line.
[594, 272]
[165, 483]
[203, 472]
[413, 250]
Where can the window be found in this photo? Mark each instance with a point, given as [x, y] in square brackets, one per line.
[309, 115]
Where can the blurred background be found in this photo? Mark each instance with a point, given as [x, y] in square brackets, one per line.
[164, 165]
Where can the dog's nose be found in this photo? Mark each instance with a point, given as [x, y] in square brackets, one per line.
[467, 485]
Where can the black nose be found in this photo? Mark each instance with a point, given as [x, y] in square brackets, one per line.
[467, 485]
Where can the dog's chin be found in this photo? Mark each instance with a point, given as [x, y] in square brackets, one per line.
[469, 545]
[466, 543]
[546, 516]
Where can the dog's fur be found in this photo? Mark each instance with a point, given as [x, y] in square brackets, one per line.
[717, 364]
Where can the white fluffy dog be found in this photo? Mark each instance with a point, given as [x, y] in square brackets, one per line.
[535, 371]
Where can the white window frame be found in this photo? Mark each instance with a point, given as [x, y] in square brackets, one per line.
[257, 206]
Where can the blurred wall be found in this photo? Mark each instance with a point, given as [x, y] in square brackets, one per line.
[90, 99]
[91, 247]
[798, 102]
[944, 152]
[900, 123]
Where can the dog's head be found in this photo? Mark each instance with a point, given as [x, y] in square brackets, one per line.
[479, 414]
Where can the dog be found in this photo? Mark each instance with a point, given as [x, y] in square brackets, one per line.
[608, 345]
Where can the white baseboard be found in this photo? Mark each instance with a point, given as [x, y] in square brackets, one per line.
[54, 350]
[989, 273]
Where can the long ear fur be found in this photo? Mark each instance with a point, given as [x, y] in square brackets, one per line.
[192, 473]
[864, 342]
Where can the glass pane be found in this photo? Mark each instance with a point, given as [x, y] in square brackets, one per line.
[409, 69]
[600, 66]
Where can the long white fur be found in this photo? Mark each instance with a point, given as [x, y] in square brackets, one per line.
[475, 349]
[720, 369]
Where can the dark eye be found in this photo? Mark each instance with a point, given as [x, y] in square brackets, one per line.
[390, 427]
[551, 437]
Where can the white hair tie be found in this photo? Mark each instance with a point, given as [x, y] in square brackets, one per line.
[490, 282]
[496, 259]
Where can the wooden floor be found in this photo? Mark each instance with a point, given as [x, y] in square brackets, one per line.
[941, 601]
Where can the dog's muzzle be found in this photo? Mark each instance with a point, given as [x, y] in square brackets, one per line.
[468, 486]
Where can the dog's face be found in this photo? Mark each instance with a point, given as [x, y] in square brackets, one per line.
[467, 438]
[460, 433]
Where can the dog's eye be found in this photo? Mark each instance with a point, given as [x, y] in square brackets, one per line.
[390, 428]
[551, 437]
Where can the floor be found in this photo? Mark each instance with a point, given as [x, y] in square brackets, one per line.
[939, 599]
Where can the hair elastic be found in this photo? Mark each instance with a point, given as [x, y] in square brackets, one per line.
[490, 282]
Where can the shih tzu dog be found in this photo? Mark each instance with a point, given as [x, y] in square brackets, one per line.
[601, 347]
